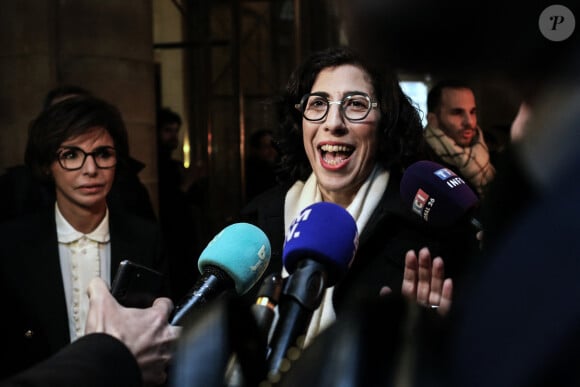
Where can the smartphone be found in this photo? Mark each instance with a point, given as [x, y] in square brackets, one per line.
[136, 286]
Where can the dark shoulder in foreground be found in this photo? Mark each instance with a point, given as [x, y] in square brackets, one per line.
[95, 360]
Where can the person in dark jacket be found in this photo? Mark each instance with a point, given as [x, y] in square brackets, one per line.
[348, 133]
[48, 258]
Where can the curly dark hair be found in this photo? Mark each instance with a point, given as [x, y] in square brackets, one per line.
[69, 118]
[400, 127]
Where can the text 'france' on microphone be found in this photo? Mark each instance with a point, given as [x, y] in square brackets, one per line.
[234, 260]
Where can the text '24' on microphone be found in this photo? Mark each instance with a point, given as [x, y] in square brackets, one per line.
[437, 195]
[234, 260]
[319, 247]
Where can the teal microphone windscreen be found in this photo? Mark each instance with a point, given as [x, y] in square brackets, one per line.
[242, 250]
[324, 232]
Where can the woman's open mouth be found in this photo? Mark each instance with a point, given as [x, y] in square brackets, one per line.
[335, 155]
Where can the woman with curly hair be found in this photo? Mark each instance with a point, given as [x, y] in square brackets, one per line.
[348, 133]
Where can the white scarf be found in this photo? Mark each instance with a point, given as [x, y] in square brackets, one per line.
[301, 195]
[472, 161]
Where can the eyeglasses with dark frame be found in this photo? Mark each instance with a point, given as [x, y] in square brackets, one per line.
[354, 106]
[73, 158]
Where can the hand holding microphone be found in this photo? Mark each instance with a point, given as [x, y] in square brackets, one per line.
[234, 260]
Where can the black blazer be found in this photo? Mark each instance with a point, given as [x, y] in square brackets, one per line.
[35, 324]
[390, 232]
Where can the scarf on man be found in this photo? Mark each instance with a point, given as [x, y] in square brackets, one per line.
[301, 195]
[472, 161]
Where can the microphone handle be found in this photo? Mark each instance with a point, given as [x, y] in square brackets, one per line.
[302, 294]
[263, 311]
[207, 288]
[288, 337]
[264, 307]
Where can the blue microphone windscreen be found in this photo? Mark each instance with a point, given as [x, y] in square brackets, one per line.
[324, 232]
[242, 250]
[436, 194]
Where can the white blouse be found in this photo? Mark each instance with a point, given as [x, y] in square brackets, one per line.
[82, 258]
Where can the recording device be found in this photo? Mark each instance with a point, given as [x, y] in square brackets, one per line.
[136, 286]
[437, 194]
[267, 299]
[319, 247]
[263, 312]
[233, 261]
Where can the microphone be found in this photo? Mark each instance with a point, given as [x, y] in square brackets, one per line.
[318, 250]
[263, 311]
[437, 194]
[266, 301]
[233, 260]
